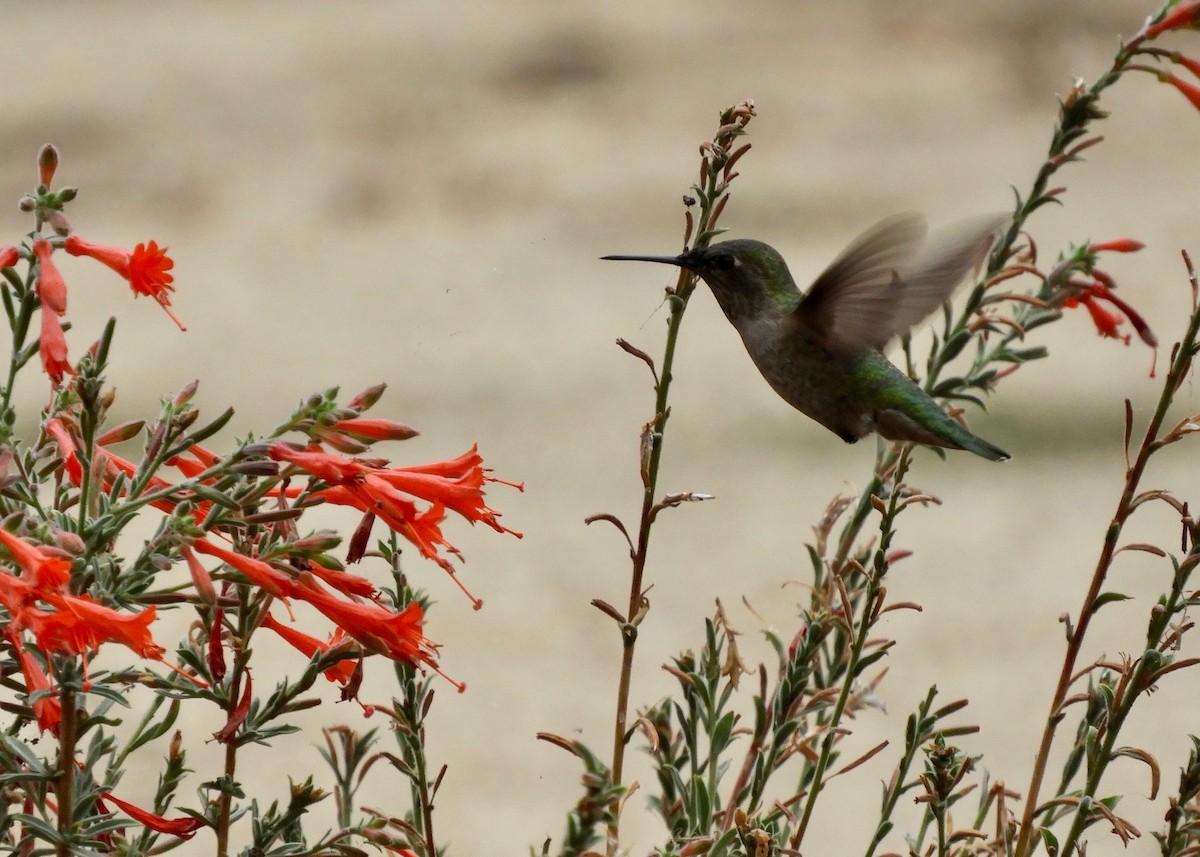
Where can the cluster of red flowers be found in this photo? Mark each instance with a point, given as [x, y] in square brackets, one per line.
[367, 485]
[385, 492]
[1089, 294]
[73, 625]
[38, 604]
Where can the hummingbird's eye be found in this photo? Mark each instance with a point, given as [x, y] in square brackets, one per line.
[724, 262]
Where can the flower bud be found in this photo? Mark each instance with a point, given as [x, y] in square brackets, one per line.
[47, 163]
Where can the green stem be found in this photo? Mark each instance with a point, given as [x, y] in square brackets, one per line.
[939, 814]
[629, 628]
[712, 192]
[856, 651]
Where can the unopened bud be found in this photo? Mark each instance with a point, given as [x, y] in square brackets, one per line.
[47, 163]
[121, 433]
[254, 468]
[342, 443]
[318, 542]
[67, 194]
[367, 398]
[185, 419]
[185, 395]
[58, 222]
[27, 203]
[70, 542]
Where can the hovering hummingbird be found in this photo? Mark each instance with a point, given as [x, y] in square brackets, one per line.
[822, 352]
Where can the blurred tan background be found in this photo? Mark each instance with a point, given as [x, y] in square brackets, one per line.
[417, 193]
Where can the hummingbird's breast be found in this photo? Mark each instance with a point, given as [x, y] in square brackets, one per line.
[824, 386]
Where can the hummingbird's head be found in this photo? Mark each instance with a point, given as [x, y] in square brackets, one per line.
[748, 278]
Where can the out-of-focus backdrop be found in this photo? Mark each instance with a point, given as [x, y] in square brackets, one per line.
[418, 193]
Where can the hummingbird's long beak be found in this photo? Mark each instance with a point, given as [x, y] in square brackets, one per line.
[678, 261]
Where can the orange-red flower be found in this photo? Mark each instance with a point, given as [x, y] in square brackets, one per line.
[200, 460]
[1186, 14]
[47, 707]
[44, 567]
[80, 625]
[52, 348]
[201, 579]
[184, 827]
[145, 267]
[333, 469]
[374, 429]
[1189, 90]
[262, 574]
[377, 629]
[386, 492]
[77, 625]
[344, 581]
[51, 287]
[1117, 245]
[9, 256]
[1108, 322]
[237, 717]
[66, 447]
[311, 647]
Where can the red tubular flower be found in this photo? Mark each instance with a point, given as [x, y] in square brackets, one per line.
[115, 464]
[379, 630]
[1186, 14]
[46, 708]
[1108, 322]
[201, 579]
[145, 268]
[66, 447]
[47, 570]
[17, 594]
[262, 574]
[1135, 318]
[9, 256]
[333, 469]
[184, 827]
[51, 287]
[344, 581]
[81, 624]
[311, 647]
[1187, 62]
[228, 732]
[374, 429]
[1117, 245]
[216, 652]
[201, 459]
[52, 348]
[1190, 91]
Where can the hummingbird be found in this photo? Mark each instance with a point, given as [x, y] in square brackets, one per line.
[822, 351]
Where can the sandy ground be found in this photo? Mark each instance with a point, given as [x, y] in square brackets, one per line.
[417, 193]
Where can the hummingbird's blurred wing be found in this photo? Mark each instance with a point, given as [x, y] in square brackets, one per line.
[880, 286]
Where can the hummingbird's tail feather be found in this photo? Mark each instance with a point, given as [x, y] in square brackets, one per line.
[936, 429]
